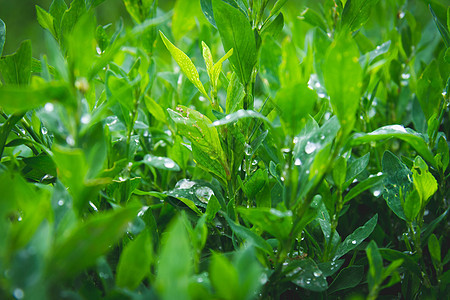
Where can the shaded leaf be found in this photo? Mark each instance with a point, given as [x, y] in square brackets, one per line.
[354, 239]
[347, 278]
[135, 260]
[16, 68]
[356, 13]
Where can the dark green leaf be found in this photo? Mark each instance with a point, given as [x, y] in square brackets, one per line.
[354, 239]
[442, 29]
[435, 251]
[249, 236]
[429, 90]
[236, 32]
[347, 278]
[356, 13]
[374, 277]
[307, 275]
[2, 35]
[16, 68]
[397, 183]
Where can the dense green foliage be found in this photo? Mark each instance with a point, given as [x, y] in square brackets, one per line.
[228, 149]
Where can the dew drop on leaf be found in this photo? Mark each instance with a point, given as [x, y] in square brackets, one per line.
[310, 147]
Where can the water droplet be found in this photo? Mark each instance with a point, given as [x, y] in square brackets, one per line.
[204, 193]
[297, 162]
[70, 141]
[248, 149]
[199, 280]
[61, 202]
[317, 273]
[19, 218]
[142, 211]
[376, 193]
[49, 107]
[169, 164]
[85, 119]
[184, 184]
[426, 212]
[296, 139]
[354, 242]
[405, 76]
[263, 278]
[310, 147]
[93, 206]
[401, 15]
[44, 130]
[215, 123]
[103, 275]
[227, 117]
[18, 293]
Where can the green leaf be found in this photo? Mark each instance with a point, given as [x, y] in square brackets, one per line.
[57, 9]
[363, 186]
[45, 19]
[163, 163]
[340, 171]
[313, 18]
[71, 15]
[255, 183]
[120, 90]
[175, 265]
[306, 274]
[240, 114]
[274, 28]
[424, 182]
[20, 99]
[397, 183]
[356, 167]
[184, 17]
[221, 271]
[16, 68]
[155, 109]
[98, 233]
[212, 209]
[295, 102]
[236, 32]
[442, 29]
[139, 10]
[428, 229]
[235, 95]
[277, 223]
[435, 252]
[444, 154]
[429, 89]
[186, 65]
[412, 205]
[356, 13]
[397, 131]
[135, 261]
[408, 261]
[2, 35]
[208, 11]
[347, 278]
[249, 236]
[354, 239]
[277, 7]
[204, 138]
[374, 276]
[343, 79]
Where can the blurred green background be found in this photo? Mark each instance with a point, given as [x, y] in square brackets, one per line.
[21, 24]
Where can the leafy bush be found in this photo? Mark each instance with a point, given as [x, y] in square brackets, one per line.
[228, 149]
